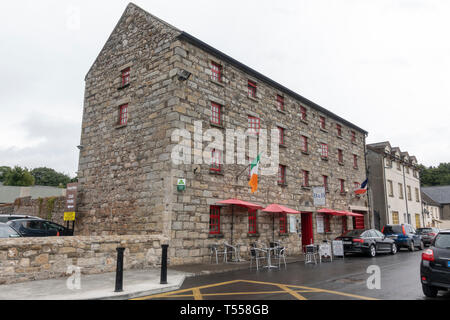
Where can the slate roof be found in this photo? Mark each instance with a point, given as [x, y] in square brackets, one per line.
[440, 194]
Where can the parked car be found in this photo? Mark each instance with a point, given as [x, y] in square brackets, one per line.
[404, 236]
[39, 228]
[427, 234]
[8, 232]
[369, 241]
[435, 265]
[4, 218]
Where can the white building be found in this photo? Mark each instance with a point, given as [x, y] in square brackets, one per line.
[432, 211]
[394, 186]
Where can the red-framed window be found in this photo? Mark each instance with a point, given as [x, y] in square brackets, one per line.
[303, 113]
[340, 156]
[254, 124]
[126, 76]
[283, 223]
[214, 220]
[322, 122]
[252, 89]
[281, 174]
[216, 72]
[305, 175]
[216, 160]
[304, 142]
[344, 225]
[216, 113]
[353, 137]
[339, 130]
[123, 114]
[280, 102]
[281, 131]
[342, 185]
[325, 182]
[252, 221]
[326, 223]
[355, 161]
[324, 150]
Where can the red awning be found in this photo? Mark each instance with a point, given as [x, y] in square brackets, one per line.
[240, 203]
[352, 214]
[331, 211]
[280, 208]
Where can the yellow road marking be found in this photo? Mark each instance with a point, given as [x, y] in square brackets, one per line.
[197, 294]
[291, 292]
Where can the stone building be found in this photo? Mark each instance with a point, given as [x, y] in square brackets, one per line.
[394, 183]
[431, 211]
[152, 82]
[440, 195]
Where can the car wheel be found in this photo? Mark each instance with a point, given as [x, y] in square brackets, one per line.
[422, 246]
[411, 246]
[429, 291]
[372, 251]
[394, 248]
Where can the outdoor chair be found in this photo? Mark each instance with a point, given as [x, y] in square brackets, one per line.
[217, 250]
[232, 250]
[281, 254]
[257, 254]
[311, 254]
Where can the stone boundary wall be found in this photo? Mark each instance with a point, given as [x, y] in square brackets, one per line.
[7, 208]
[27, 259]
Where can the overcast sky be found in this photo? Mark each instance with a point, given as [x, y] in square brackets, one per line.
[382, 65]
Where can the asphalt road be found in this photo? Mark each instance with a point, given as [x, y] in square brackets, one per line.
[341, 279]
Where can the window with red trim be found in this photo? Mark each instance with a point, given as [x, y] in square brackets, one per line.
[216, 72]
[303, 113]
[252, 222]
[322, 123]
[281, 130]
[214, 220]
[254, 124]
[123, 114]
[283, 223]
[353, 136]
[126, 76]
[339, 130]
[340, 156]
[252, 89]
[216, 113]
[355, 161]
[326, 223]
[216, 160]
[280, 102]
[342, 185]
[305, 178]
[324, 149]
[325, 183]
[304, 142]
[281, 174]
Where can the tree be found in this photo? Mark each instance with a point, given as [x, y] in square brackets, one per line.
[49, 177]
[435, 176]
[18, 177]
[3, 171]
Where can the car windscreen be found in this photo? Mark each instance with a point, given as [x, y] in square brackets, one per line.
[424, 230]
[392, 229]
[353, 233]
[442, 241]
[6, 231]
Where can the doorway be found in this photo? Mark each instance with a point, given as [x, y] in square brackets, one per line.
[307, 229]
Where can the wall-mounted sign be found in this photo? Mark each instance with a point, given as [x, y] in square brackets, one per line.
[319, 195]
[319, 221]
[181, 184]
[71, 197]
[69, 216]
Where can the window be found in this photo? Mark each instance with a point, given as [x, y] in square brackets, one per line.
[409, 193]
[216, 113]
[216, 70]
[216, 160]
[254, 125]
[395, 218]
[123, 114]
[325, 183]
[281, 174]
[303, 114]
[415, 174]
[214, 220]
[355, 161]
[125, 76]
[324, 150]
[342, 185]
[399, 168]
[340, 156]
[281, 130]
[407, 170]
[283, 223]
[280, 102]
[304, 142]
[339, 130]
[388, 163]
[390, 188]
[322, 122]
[252, 221]
[326, 223]
[251, 89]
[418, 221]
[400, 190]
[417, 194]
[353, 137]
[305, 178]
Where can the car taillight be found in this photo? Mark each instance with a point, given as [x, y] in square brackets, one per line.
[432, 234]
[358, 240]
[403, 229]
[428, 255]
[382, 231]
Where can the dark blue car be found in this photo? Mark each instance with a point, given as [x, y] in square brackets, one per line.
[404, 236]
[39, 228]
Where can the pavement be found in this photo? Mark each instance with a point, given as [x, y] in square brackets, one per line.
[136, 283]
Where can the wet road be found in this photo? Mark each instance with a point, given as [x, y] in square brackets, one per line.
[340, 279]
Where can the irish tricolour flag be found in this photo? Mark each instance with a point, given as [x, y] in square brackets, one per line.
[254, 174]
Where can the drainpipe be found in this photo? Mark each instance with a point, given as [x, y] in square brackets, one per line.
[371, 213]
[406, 194]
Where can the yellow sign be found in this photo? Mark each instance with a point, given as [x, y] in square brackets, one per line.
[69, 216]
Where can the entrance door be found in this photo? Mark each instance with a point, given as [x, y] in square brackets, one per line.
[307, 229]
[358, 222]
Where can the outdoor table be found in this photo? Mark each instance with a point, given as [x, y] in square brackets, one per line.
[236, 249]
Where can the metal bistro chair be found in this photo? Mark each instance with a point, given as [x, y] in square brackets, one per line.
[311, 254]
[257, 254]
[232, 250]
[281, 254]
[217, 250]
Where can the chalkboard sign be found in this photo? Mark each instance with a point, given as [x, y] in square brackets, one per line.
[338, 248]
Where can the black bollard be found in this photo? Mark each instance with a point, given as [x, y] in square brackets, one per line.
[164, 264]
[119, 270]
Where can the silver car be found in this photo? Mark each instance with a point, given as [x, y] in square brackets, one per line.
[8, 232]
